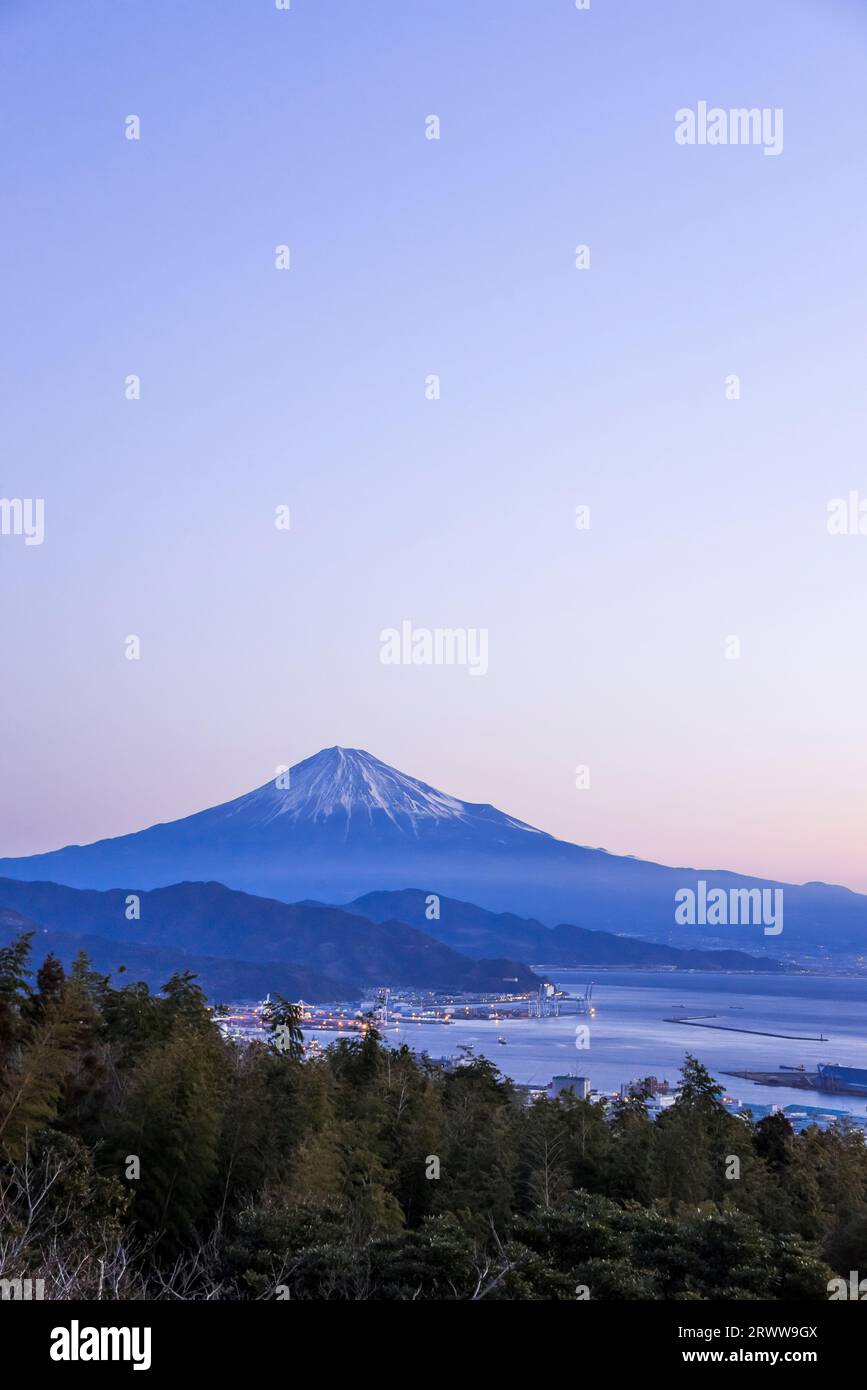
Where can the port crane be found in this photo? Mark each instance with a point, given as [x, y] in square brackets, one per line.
[545, 1004]
[584, 1001]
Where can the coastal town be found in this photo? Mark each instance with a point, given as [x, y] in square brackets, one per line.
[396, 1014]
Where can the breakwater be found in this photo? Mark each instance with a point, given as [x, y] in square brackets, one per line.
[699, 1022]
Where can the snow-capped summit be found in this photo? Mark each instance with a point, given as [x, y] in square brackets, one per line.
[346, 781]
[351, 785]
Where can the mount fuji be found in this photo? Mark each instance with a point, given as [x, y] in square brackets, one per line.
[346, 824]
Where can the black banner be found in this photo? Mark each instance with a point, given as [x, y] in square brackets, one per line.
[155, 1339]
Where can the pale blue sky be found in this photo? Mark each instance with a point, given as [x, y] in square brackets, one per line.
[559, 387]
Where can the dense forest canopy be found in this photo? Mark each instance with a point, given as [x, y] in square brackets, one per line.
[145, 1155]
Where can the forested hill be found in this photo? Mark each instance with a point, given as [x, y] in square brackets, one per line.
[143, 1155]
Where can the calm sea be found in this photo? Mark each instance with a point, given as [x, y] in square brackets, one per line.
[628, 1037]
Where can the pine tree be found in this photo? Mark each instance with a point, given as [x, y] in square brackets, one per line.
[14, 991]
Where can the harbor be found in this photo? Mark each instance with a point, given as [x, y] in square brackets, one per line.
[631, 1026]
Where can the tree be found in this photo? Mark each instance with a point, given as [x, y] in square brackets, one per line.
[49, 1032]
[171, 1122]
[282, 1022]
[545, 1152]
[50, 979]
[14, 990]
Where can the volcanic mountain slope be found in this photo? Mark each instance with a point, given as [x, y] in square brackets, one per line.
[348, 824]
[477, 932]
[221, 934]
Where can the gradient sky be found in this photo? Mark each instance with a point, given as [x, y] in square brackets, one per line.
[603, 387]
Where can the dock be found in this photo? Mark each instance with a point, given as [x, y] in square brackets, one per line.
[828, 1080]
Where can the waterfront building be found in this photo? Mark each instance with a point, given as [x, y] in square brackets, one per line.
[568, 1084]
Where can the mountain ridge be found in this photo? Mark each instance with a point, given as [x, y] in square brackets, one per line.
[214, 923]
[472, 930]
